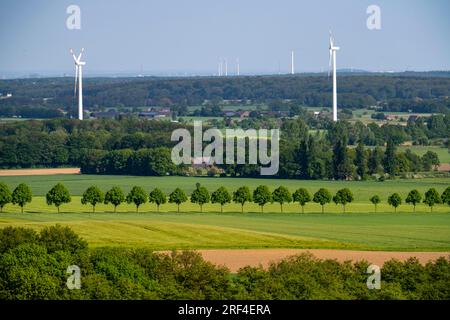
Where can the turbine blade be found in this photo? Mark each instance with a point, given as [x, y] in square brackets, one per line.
[79, 56]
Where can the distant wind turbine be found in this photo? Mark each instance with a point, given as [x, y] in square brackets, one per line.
[79, 76]
[292, 62]
[332, 63]
[238, 71]
[226, 67]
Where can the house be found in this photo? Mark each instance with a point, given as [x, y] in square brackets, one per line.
[391, 117]
[244, 114]
[229, 114]
[413, 118]
[105, 114]
[152, 114]
[202, 162]
[155, 113]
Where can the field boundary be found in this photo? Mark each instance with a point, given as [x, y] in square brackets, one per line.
[38, 172]
[234, 259]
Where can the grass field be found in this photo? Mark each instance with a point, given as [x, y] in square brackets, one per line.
[362, 190]
[443, 154]
[359, 228]
[400, 232]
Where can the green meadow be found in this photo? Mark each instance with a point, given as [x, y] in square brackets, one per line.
[362, 190]
[359, 228]
[165, 231]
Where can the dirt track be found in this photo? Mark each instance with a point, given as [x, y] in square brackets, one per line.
[236, 259]
[39, 172]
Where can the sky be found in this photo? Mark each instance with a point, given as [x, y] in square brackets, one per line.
[176, 37]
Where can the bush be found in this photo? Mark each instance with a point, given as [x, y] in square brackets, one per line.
[33, 267]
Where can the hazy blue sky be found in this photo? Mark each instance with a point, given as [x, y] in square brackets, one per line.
[190, 35]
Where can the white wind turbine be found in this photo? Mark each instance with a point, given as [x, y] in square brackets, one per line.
[79, 76]
[333, 50]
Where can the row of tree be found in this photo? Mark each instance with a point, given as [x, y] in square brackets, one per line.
[262, 195]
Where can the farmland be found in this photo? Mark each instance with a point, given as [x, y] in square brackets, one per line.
[358, 229]
[362, 190]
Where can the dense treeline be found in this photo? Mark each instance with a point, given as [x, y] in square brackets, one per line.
[395, 92]
[142, 147]
[261, 196]
[33, 266]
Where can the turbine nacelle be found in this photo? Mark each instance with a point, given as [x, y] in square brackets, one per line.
[76, 59]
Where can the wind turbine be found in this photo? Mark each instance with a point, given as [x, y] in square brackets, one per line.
[79, 76]
[292, 62]
[333, 50]
[226, 67]
[238, 73]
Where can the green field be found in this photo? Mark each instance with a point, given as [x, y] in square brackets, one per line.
[362, 190]
[400, 232]
[443, 154]
[359, 228]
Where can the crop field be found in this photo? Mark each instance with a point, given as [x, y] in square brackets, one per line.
[164, 231]
[360, 228]
[362, 190]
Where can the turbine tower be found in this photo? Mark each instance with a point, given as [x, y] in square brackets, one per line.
[226, 67]
[292, 62]
[238, 73]
[79, 76]
[332, 61]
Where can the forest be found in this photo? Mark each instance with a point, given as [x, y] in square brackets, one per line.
[33, 266]
[54, 97]
[143, 147]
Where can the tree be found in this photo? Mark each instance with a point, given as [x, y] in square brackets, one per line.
[158, 197]
[389, 159]
[281, 195]
[342, 168]
[375, 161]
[61, 238]
[5, 195]
[138, 196]
[395, 200]
[343, 197]
[361, 161]
[221, 196]
[58, 195]
[241, 196]
[431, 198]
[301, 196]
[200, 196]
[92, 195]
[178, 196]
[429, 160]
[414, 197]
[445, 197]
[322, 196]
[375, 200]
[115, 196]
[21, 195]
[262, 196]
